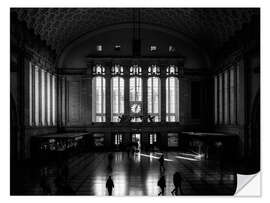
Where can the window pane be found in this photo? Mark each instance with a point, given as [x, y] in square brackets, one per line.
[216, 99]
[167, 96]
[36, 96]
[155, 95]
[220, 99]
[54, 100]
[135, 89]
[117, 98]
[121, 94]
[172, 99]
[154, 98]
[103, 96]
[226, 102]
[232, 96]
[132, 89]
[43, 97]
[149, 95]
[30, 94]
[49, 98]
[99, 91]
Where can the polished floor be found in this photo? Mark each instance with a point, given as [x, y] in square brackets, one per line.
[133, 175]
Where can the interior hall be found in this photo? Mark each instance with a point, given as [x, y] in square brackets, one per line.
[133, 101]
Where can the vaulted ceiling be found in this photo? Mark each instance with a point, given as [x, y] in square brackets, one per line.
[206, 26]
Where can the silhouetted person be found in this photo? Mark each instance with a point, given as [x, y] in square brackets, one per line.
[109, 185]
[177, 179]
[161, 161]
[162, 185]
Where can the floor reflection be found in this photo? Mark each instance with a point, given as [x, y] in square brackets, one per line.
[134, 175]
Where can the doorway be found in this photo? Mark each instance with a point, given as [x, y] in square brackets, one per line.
[136, 141]
[153, 141]
[117, 141]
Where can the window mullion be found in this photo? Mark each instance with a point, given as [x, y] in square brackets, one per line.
[169, 99]
[102, 110]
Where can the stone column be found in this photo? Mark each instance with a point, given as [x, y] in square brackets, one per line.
[108, 91]
[163, 93]
[126, 91]
[27, 98]
[144, 93]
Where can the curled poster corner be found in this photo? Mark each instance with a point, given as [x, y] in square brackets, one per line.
[248, 185]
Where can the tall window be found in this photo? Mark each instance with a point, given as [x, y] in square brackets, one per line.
[43, 101]
[220, 91]
[42, 96]
[37, 96]
[135, 90]
[117, 92]
[98, 94]
[49, 98]
[153, 93]
[232, 96]
[172, 94]
[225, 96]
[117, 84]
[54, 100]
[216, 99]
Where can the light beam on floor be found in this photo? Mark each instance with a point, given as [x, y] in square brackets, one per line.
[186, 158]
[151, 156]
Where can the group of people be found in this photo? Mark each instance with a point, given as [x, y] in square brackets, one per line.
[177, 180]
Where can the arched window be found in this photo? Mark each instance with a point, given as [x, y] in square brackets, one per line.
[172, 94]
[117, 86]
[135, 89]
[153, 93]
[98, 94]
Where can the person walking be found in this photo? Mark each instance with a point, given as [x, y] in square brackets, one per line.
[177, 179]
[109, 185]
[162, 185]
[161, 161]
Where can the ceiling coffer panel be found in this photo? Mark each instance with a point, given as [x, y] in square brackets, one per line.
[60, 26]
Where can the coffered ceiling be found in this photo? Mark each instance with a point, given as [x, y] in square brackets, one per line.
[210, 27]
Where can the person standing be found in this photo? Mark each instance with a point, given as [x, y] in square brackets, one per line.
[109, 185]
[162, 185]
[161, 161]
